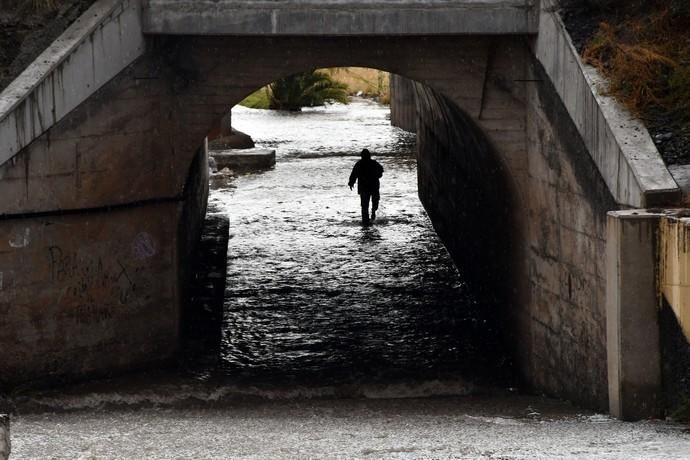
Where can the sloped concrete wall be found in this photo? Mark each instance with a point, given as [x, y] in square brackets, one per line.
[97, 47]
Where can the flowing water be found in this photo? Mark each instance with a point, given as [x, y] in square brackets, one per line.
[331, 335]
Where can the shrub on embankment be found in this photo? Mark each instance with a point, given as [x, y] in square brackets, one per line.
[645, 54]
[643, 49]
[338, 84]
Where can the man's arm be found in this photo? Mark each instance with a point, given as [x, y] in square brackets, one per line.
[353, 175]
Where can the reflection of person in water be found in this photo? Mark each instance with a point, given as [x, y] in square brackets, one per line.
[367, 173]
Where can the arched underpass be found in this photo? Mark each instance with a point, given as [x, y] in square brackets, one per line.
[102, 202]
[319, 303]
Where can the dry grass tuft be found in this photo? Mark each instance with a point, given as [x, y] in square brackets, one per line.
[44, 4]
[646, 59]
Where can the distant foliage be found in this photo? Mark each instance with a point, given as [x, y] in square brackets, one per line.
[307, 89]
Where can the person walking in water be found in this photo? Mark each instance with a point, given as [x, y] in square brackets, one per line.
[367, 173]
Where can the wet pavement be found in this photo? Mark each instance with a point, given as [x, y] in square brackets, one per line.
[479, 427]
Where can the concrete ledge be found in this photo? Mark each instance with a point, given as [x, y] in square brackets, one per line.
[5, 445]
[339, 17]
[620, 145]
[98, 46]
[245, 159]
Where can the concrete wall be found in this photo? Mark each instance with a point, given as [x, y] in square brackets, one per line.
[538, 229]
[403, 105]
[101, 294]
[674, 282]
[675, 267]
[97, 218]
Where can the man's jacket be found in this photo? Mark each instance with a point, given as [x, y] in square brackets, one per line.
[367, 174]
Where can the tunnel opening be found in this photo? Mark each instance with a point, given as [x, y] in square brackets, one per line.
[313, 297]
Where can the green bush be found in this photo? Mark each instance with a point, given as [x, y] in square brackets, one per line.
[257, 100]
[307, 89]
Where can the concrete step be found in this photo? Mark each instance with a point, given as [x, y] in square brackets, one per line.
[245, 159]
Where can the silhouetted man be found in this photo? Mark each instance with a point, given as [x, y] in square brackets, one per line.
[367, 173]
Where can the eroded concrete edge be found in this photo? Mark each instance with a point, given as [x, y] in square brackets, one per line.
[620, 145]
[99, 45]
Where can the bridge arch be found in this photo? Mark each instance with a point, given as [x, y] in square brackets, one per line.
[102, 207]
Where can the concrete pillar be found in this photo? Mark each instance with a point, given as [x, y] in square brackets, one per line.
[632, 326]
[4, 437]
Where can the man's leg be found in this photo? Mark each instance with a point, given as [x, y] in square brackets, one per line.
[364, 197]
[375, 197]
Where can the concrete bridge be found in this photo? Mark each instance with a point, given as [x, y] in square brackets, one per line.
[103, 179]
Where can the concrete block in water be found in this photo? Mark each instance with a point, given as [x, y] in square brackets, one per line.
[245, 159]
[4, 437]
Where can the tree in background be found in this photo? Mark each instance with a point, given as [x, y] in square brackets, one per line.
[308, 89]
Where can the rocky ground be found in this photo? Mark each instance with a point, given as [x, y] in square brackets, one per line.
[670, 136]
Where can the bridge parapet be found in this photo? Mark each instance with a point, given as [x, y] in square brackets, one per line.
[97, 47]
[340, 17]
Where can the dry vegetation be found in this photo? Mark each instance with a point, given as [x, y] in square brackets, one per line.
[367, 82]
[644, 51]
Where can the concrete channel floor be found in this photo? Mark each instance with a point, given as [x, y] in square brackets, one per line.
[503, 426]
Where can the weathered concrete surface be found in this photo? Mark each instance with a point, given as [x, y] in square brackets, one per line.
[238, 160]
[536, 217]
[5, 444]
[620, 145]
[674, 265]
[96, 48]
[681, 174]
[403, 104]
[632, 325]
[339, 17]
[100, 296]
